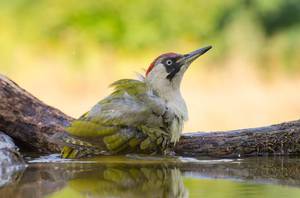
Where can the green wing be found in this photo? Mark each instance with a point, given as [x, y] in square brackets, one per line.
[116, 122]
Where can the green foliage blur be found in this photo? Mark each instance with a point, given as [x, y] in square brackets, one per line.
[266, 30]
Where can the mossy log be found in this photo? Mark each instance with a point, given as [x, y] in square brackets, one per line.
[32, 124]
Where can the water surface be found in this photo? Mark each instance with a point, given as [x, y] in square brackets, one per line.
[141, 176]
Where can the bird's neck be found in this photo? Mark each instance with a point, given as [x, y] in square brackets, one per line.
[176, 102]
[172, 95]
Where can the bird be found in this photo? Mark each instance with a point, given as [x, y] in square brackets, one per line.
[143, 116]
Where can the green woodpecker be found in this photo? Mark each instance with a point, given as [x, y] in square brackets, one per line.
[140, 116]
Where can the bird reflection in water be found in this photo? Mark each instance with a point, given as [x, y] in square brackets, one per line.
[130, 182]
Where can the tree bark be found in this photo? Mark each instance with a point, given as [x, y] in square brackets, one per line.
[32, 123]
[27, 120]
[280, 139]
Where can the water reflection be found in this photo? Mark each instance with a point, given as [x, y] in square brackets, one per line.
[98, 180]
[10, 174]
[129, 182]
[156, 177]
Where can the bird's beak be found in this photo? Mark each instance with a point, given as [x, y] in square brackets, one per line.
[190, 57]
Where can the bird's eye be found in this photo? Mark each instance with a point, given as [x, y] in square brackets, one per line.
[169, 62]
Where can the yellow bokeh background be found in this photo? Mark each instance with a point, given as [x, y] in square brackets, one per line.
[67, 53]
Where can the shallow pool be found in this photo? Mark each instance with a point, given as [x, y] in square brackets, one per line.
[142, 176]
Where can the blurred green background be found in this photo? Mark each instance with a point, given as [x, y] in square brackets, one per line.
[66, 52]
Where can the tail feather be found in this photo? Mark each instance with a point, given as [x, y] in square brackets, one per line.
[75, 148]
[72, 153]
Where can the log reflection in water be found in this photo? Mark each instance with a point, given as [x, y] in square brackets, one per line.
[274, 170]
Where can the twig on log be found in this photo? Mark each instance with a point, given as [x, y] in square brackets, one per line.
[33, 123]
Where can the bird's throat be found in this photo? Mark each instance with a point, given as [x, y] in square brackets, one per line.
[170, 92]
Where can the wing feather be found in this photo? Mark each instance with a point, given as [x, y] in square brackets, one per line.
[116, 119]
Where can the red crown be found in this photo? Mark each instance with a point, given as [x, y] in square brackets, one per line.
[151, 66]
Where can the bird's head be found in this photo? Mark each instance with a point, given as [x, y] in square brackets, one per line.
[167, 70]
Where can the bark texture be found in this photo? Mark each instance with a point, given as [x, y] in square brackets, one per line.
[280, 139]
[33, 124]
[28, 120]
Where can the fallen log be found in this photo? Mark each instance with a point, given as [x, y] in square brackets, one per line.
[27, 120]
[280, 139]
[32, 123]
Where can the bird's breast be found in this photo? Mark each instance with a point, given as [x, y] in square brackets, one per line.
[178, 106]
